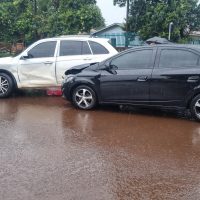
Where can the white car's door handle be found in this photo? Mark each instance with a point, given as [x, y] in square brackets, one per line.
[48, 62]
[87, 59]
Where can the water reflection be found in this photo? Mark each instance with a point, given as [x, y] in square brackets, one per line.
[52, 149]
[196, 137]
[138, 150]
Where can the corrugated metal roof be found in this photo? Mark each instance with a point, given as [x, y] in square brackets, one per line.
[195, 33]
[108, 27]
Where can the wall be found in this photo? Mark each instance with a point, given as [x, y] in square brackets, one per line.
[119, 35]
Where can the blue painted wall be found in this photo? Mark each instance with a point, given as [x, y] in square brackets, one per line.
[117, 34]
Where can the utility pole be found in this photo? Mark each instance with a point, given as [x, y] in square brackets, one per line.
[35, 13]
[127, 21]
[127, 14]
[170, 30]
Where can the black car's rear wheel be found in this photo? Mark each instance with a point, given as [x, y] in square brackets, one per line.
[195, 107]
[84, 97]
[6, 85]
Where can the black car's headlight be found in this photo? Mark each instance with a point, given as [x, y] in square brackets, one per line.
[68, 78]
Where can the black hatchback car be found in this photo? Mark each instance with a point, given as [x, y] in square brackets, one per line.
[161, 75]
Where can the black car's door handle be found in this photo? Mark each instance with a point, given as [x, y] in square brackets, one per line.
[193, 79]
[142, 78]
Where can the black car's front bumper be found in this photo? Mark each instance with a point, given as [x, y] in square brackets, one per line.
[66, 91]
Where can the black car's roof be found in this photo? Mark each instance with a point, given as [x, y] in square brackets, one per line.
[173, 45]
[189, 46]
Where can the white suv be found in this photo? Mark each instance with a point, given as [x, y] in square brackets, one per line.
[43, 64]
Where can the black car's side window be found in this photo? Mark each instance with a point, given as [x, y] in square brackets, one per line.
[134, 60]
[72, 48]
[98, 48]
[177, 58]
[43, 50]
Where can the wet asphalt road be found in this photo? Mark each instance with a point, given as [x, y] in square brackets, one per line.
[51, 151]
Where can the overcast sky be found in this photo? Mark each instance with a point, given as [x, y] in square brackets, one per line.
[112, 14]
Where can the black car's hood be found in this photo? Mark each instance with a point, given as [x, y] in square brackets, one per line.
[79, 68]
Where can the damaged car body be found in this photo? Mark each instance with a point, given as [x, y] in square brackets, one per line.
[43, 64]
[166, 76]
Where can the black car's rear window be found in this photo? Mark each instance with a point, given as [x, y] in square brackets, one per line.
[177, 58]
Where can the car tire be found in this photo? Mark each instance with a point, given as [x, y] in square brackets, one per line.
[6, 85]
[195, 107]
[84, 97]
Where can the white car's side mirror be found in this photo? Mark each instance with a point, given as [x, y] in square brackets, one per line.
[24, 56]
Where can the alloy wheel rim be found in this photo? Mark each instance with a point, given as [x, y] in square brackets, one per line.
[197, 108]
[4, 85]
[84, 98]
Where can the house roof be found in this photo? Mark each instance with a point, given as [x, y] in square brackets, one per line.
[108, 27]
[195, 33]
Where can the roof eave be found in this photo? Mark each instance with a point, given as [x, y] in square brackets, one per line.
[107, 27]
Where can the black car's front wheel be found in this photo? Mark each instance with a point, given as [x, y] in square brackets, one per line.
[6, 85]
[195, 107]
[84, 97]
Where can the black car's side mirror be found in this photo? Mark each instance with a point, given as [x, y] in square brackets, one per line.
[111, 68]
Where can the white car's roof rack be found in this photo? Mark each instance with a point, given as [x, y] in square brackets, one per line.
[70, 36]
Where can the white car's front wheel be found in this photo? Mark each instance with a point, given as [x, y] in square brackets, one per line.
[6, 85]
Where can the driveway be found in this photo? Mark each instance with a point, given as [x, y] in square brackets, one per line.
[51, 151]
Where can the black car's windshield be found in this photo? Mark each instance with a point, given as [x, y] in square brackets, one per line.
[103, 63]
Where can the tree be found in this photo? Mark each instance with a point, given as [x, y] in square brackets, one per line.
[30, 20]
[151, 18]
[72, 17]
[14, 20]
[120, 2]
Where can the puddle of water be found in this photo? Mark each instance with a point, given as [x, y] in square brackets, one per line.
[49, 150]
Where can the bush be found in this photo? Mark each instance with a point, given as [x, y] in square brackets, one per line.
[4, 54]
